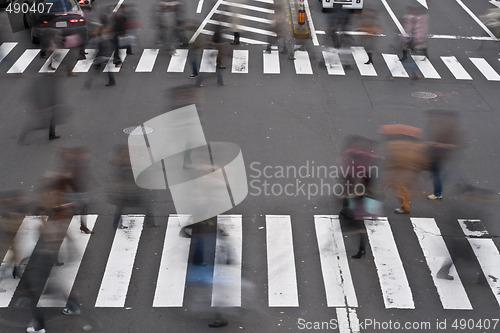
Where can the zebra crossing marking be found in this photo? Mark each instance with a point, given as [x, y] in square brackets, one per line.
[271, 62]
[5, 49]
[226, 290]
[456, 68]
[84, 65]
[24, 61]
[245, 17]
[282, 277]
[116, 279]
[486, 252]
[394, 65]
[348, 321]
[63, 277]
[178, 61]
[240, 61]
[425, 67]
[333, 63]
[339, 287]
[208, 61]
[24, 243]
[360, 57]
[55, 59]
[244, 28]
[248, 7]
[147, 61]
[489, 73]
[302, 63]
[110, 66]
[451, 292]
[173, 266]
[391, 274]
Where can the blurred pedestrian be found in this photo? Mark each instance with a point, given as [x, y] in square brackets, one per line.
[416, 26]
[281, 29]
[165, 15]
[405, 158]
[101, 39]
[120, 38]
[339, 19]
[368, 25]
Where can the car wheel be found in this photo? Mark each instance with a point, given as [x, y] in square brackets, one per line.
[34, 39]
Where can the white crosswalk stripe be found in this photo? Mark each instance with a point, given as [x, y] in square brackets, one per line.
[282, 285]
[54, 60]
[335, 62]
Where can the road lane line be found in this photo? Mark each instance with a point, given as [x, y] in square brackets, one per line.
[120, 265]
[360, 57]
[333, 63]
[312, 30]
[395, 66]
[62, 278]
[23, 245]
[271, 62]
[394, 18]
[199, 7]
[204, 23]
[83, 66]
[59, 53]
[348, 321]
[5, 49]
[475, 18]
[451, 292]
[489, 73]
[178, 61]
[147, 61]
[282, 279]
[24, 61]
[226, 291]
[243, 28]
[173, 266]
[302, 63]
[208, 61]
[245, 17]
[425, 67]
[390, 270]
[240, 61]
[243, 6]
[337, 278]
[456, 68]
[486, 252]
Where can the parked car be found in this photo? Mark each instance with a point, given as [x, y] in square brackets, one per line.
[60, 14]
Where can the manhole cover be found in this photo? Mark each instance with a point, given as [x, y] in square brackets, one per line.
[130, 130]
[423, 94]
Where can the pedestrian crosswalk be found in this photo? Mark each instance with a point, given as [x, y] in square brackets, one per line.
[282, 283]
[334, 62]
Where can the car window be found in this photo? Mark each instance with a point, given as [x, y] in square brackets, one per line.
[61, 6]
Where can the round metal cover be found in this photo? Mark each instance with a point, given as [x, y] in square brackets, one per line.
[423, 94]
[130, 130]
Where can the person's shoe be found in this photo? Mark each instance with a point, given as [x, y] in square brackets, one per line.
[86, 230]
[70, 312]
[401, 211]
[193, 76]
[31, 329]
[221, 67]
[110, 84]
[359, 255]
[82, 57]
[54, 137]
[444, 276]
[218, 323]
[434, 197]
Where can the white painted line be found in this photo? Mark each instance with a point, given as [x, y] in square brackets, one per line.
[486, 252]
[71, 253]
[271, 62]
[204, 23]
[242, 39]
[312, 30]
[23, 245]
[394, 18]
[254, 8]
[495, 3]
[244, 28]
[23, 62]
[348, 321]
[423, 3]
[282, 279]
[173, 266]
[178, 61]
[265, 1]
[395, 66]
[302, 63]
[475, 18]
[360, 57]
[5, 49]
[333, 64]
[245, 17]
[199, 7]
[425, 67]
[460, 37]
[110, 67]
[339, 287]
[391, 274]
[116, 279]
[456, 68]
[451, 292]
[83, 66]
[59, 54]
[489, 73]
[147, 61]
[240, 61]
[226, 290]
[320, 32]
[118, 6]
[208, 61]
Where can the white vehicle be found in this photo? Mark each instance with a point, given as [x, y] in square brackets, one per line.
[348, 4]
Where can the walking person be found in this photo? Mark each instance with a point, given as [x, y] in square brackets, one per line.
[102, 41]
[416, 26]
[368, 25]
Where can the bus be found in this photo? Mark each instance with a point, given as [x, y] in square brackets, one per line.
[347, 4]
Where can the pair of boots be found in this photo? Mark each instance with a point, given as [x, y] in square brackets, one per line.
[236, 40]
